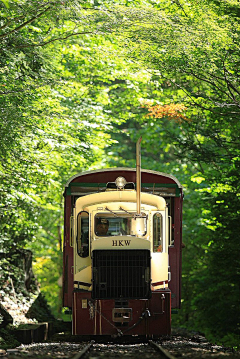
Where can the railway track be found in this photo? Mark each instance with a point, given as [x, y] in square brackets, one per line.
[194, 346]
[86, 349]
[94, 350]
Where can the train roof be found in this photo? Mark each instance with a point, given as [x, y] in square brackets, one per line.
[95, 181]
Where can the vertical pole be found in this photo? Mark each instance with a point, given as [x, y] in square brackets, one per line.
[138, 174]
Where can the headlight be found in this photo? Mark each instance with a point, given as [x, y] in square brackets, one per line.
[120, 182]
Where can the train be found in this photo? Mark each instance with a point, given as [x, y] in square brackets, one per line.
[122, 251]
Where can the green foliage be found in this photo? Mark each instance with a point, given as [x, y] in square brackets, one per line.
[45, 133]
[74, 76]
[7, 339]
[40, 310]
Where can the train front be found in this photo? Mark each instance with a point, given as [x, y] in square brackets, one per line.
[120, 263]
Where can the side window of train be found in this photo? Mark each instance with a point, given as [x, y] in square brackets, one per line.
[171, 205]
[170, 232]
[157, 232]
[83, 234]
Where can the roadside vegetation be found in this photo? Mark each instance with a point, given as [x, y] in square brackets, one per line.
[80, 81]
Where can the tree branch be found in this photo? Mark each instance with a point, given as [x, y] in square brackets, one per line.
[181, 7]
[229, 85]
[57, 39]
[216, 86]
[26, 23]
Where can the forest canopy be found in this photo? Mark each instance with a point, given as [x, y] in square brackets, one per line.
[80, 81]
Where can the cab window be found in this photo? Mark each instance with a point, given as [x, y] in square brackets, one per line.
[157, 233]
[110, 225]
[83, 234]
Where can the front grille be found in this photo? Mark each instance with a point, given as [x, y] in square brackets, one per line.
[121, 274]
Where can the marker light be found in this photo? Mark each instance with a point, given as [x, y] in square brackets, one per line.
[120, 182]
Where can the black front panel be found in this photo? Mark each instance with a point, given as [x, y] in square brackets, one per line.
[121, 274]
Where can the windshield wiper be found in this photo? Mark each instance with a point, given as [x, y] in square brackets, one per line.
[115, 214]
[131, 214]
[134, 215]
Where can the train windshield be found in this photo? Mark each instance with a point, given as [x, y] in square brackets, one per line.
[112, 225]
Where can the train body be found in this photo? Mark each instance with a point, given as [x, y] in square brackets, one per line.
[122, 266]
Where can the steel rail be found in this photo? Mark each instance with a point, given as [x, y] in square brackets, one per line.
[163, 353]
[84, 350]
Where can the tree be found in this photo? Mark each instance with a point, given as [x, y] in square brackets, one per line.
[195, 49]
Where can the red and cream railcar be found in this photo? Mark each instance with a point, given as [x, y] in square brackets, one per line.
[122, 252]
